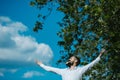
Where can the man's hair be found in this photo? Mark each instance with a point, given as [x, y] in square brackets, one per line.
[78, 60]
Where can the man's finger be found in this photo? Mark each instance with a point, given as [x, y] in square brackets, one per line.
[103, 50]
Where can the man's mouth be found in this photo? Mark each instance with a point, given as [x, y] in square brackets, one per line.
[69, 63]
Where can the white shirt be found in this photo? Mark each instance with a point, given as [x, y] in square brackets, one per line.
[75, 74]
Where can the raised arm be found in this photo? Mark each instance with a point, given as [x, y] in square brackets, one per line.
[88, 66]
[101, 53]
[48, 68]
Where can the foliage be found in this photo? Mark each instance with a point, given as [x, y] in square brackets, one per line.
[88, 26]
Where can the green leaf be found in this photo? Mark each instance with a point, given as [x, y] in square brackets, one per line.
[32, 3]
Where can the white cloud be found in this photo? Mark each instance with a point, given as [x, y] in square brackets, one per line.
[4, 19]
[14, 46]
[2, 70]
[31, 74]
[13, 70]
[1, 74]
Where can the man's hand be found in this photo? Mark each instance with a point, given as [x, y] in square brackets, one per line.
[102, 51]
[38, 62]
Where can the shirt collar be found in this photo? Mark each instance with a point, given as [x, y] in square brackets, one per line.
[72, 69]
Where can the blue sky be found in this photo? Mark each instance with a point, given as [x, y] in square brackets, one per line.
[20, 46]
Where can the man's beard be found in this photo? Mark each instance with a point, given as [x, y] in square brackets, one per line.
[69, 63]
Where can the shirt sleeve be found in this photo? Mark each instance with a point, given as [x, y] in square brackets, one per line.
[88, 66]
[52, 69]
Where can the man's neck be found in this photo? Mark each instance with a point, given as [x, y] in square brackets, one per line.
[72, 67]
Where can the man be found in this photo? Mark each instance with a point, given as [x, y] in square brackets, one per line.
[73, 72]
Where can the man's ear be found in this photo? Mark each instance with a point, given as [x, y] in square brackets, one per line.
[75, 60]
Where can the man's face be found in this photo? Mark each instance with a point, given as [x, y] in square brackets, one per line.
[71, 61]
